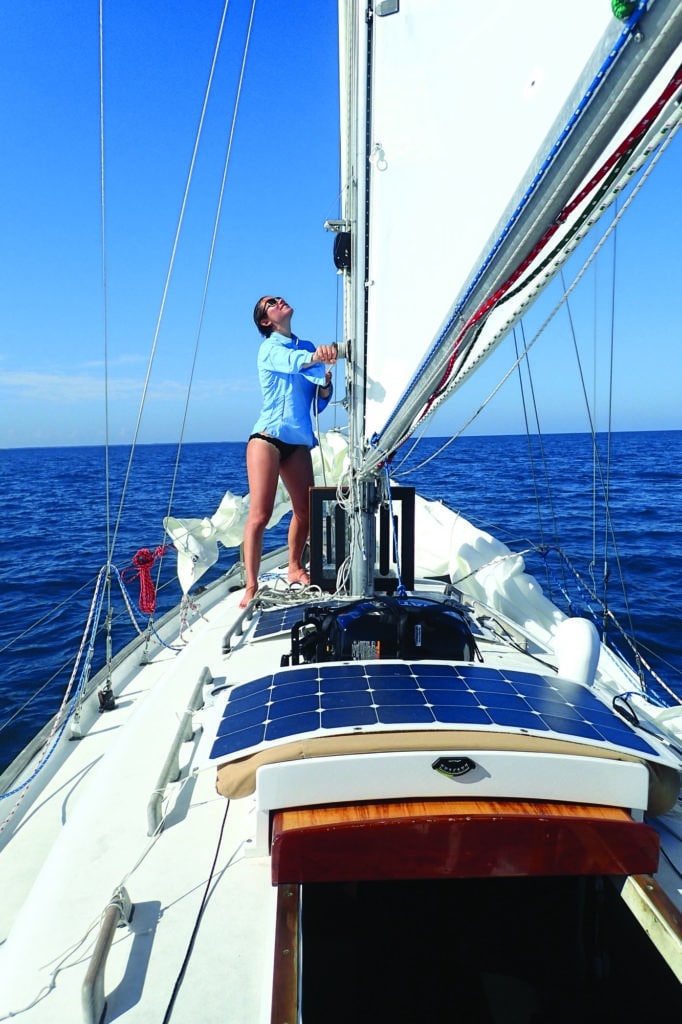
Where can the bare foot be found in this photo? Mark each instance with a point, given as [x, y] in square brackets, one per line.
[299, 576]
[249, 594]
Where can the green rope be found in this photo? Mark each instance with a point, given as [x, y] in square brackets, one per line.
[622, 9]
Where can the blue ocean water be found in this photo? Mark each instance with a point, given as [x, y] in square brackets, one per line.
[53, 537]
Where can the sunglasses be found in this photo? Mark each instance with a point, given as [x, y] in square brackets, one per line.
[269, 303]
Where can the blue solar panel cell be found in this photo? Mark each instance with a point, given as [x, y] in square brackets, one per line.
[625, 737]
[237, 742]
[250, 700]
[517, 718]
[314, 698]
[534, 686]
[238, 721]
[496, 684]
[520, 679]
[348, 718]
[393, 714]
[555, 708]
[495, 699]
[602, 717]
[347, 699]
[572, 727]
[255, 686]
[292, 725]
[462, 715]
[379, 683]
[399, 698]
[293, 706]
[299, 688]
[453, 698]
[277, 620]
[439, 672]
[341, 684]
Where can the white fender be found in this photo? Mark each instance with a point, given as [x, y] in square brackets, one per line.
[576, 645]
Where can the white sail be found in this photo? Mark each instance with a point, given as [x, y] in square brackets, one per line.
[443, 180]
[440, 174]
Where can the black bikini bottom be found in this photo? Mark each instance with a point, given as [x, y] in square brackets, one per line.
[284, 449]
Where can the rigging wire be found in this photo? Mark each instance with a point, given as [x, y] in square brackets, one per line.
[47, 616]
[169, 273]
[105, 339]
[214, 237]
[111, 538]
[106, 575]
[610, 425]
[655, 157]
[529, 439]
[103, 257]
[595, 310]
[603, 473]
[613, 172]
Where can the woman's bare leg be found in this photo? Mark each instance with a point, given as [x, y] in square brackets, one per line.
[262, 467]
[297, 476]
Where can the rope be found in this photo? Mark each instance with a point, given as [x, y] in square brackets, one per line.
[143, 563]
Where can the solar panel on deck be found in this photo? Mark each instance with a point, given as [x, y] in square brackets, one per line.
[278, 620]
[318, 699]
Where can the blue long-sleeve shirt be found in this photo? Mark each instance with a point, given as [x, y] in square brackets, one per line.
[288, 390]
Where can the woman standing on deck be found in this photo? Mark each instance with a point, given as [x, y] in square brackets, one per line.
[290, 372]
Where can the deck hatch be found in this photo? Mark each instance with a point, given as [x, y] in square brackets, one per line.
[383, 695]
[457, 838]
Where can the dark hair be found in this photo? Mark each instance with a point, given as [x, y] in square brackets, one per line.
[259, 314]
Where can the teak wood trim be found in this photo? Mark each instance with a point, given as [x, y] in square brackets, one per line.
[458, 838]
[285, 967]
[658, 916]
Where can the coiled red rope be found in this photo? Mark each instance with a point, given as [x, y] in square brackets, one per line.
[143, 563]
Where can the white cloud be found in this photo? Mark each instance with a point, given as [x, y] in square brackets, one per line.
[79, 387]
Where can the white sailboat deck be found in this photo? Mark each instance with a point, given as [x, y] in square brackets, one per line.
[202, 887]
[86, 835]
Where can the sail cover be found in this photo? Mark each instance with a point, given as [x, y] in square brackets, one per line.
[462, 97]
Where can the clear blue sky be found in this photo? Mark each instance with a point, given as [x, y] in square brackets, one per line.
[282, 184]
